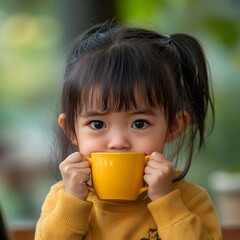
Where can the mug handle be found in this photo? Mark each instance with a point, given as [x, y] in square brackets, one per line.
[90, 188]
[144, 188]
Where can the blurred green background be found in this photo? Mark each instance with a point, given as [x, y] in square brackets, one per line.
[34, 38]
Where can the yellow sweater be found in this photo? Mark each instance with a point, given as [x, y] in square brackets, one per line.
[186, 213]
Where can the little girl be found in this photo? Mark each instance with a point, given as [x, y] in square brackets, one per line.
[132, 90]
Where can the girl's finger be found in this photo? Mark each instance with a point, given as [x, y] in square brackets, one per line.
[158, 157]
[84, 178]
[75, 157]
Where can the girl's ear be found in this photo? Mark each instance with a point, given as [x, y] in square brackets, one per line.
[181, 123]
[61, 122]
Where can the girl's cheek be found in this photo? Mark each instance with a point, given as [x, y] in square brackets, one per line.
[150, 147]
[90, 146]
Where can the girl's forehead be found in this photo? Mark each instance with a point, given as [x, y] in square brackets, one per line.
[96, 99]
[96, 104]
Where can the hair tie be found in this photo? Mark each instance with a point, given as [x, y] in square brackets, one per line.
[168, 38]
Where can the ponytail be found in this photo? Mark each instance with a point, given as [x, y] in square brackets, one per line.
[195, 76]
[192, 78]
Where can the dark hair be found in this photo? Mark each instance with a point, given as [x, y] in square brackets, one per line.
[116, 61]
[3, 229]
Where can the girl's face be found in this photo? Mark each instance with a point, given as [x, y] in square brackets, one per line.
[139, 130]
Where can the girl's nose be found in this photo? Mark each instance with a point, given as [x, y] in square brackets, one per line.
[119, 141]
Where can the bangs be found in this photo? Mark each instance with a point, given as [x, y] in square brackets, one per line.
[121, 78]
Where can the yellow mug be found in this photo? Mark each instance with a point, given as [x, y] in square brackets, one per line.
[118, 175]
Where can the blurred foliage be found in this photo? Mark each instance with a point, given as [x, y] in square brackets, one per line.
[216, 24]
[29, 46]
[30, 75]
[225, 30]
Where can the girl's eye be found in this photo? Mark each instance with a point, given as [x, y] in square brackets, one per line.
[140, 124]
[96, 125]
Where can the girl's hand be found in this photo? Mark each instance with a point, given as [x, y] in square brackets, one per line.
[158, 175]
[75, 171]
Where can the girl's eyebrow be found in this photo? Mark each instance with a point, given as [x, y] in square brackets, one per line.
[101, 113]
[144, 111]
[92, 113]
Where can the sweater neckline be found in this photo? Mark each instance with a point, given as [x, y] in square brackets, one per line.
[118, 206]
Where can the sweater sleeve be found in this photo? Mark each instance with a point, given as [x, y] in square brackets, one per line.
[186, 218]
[63, 216]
